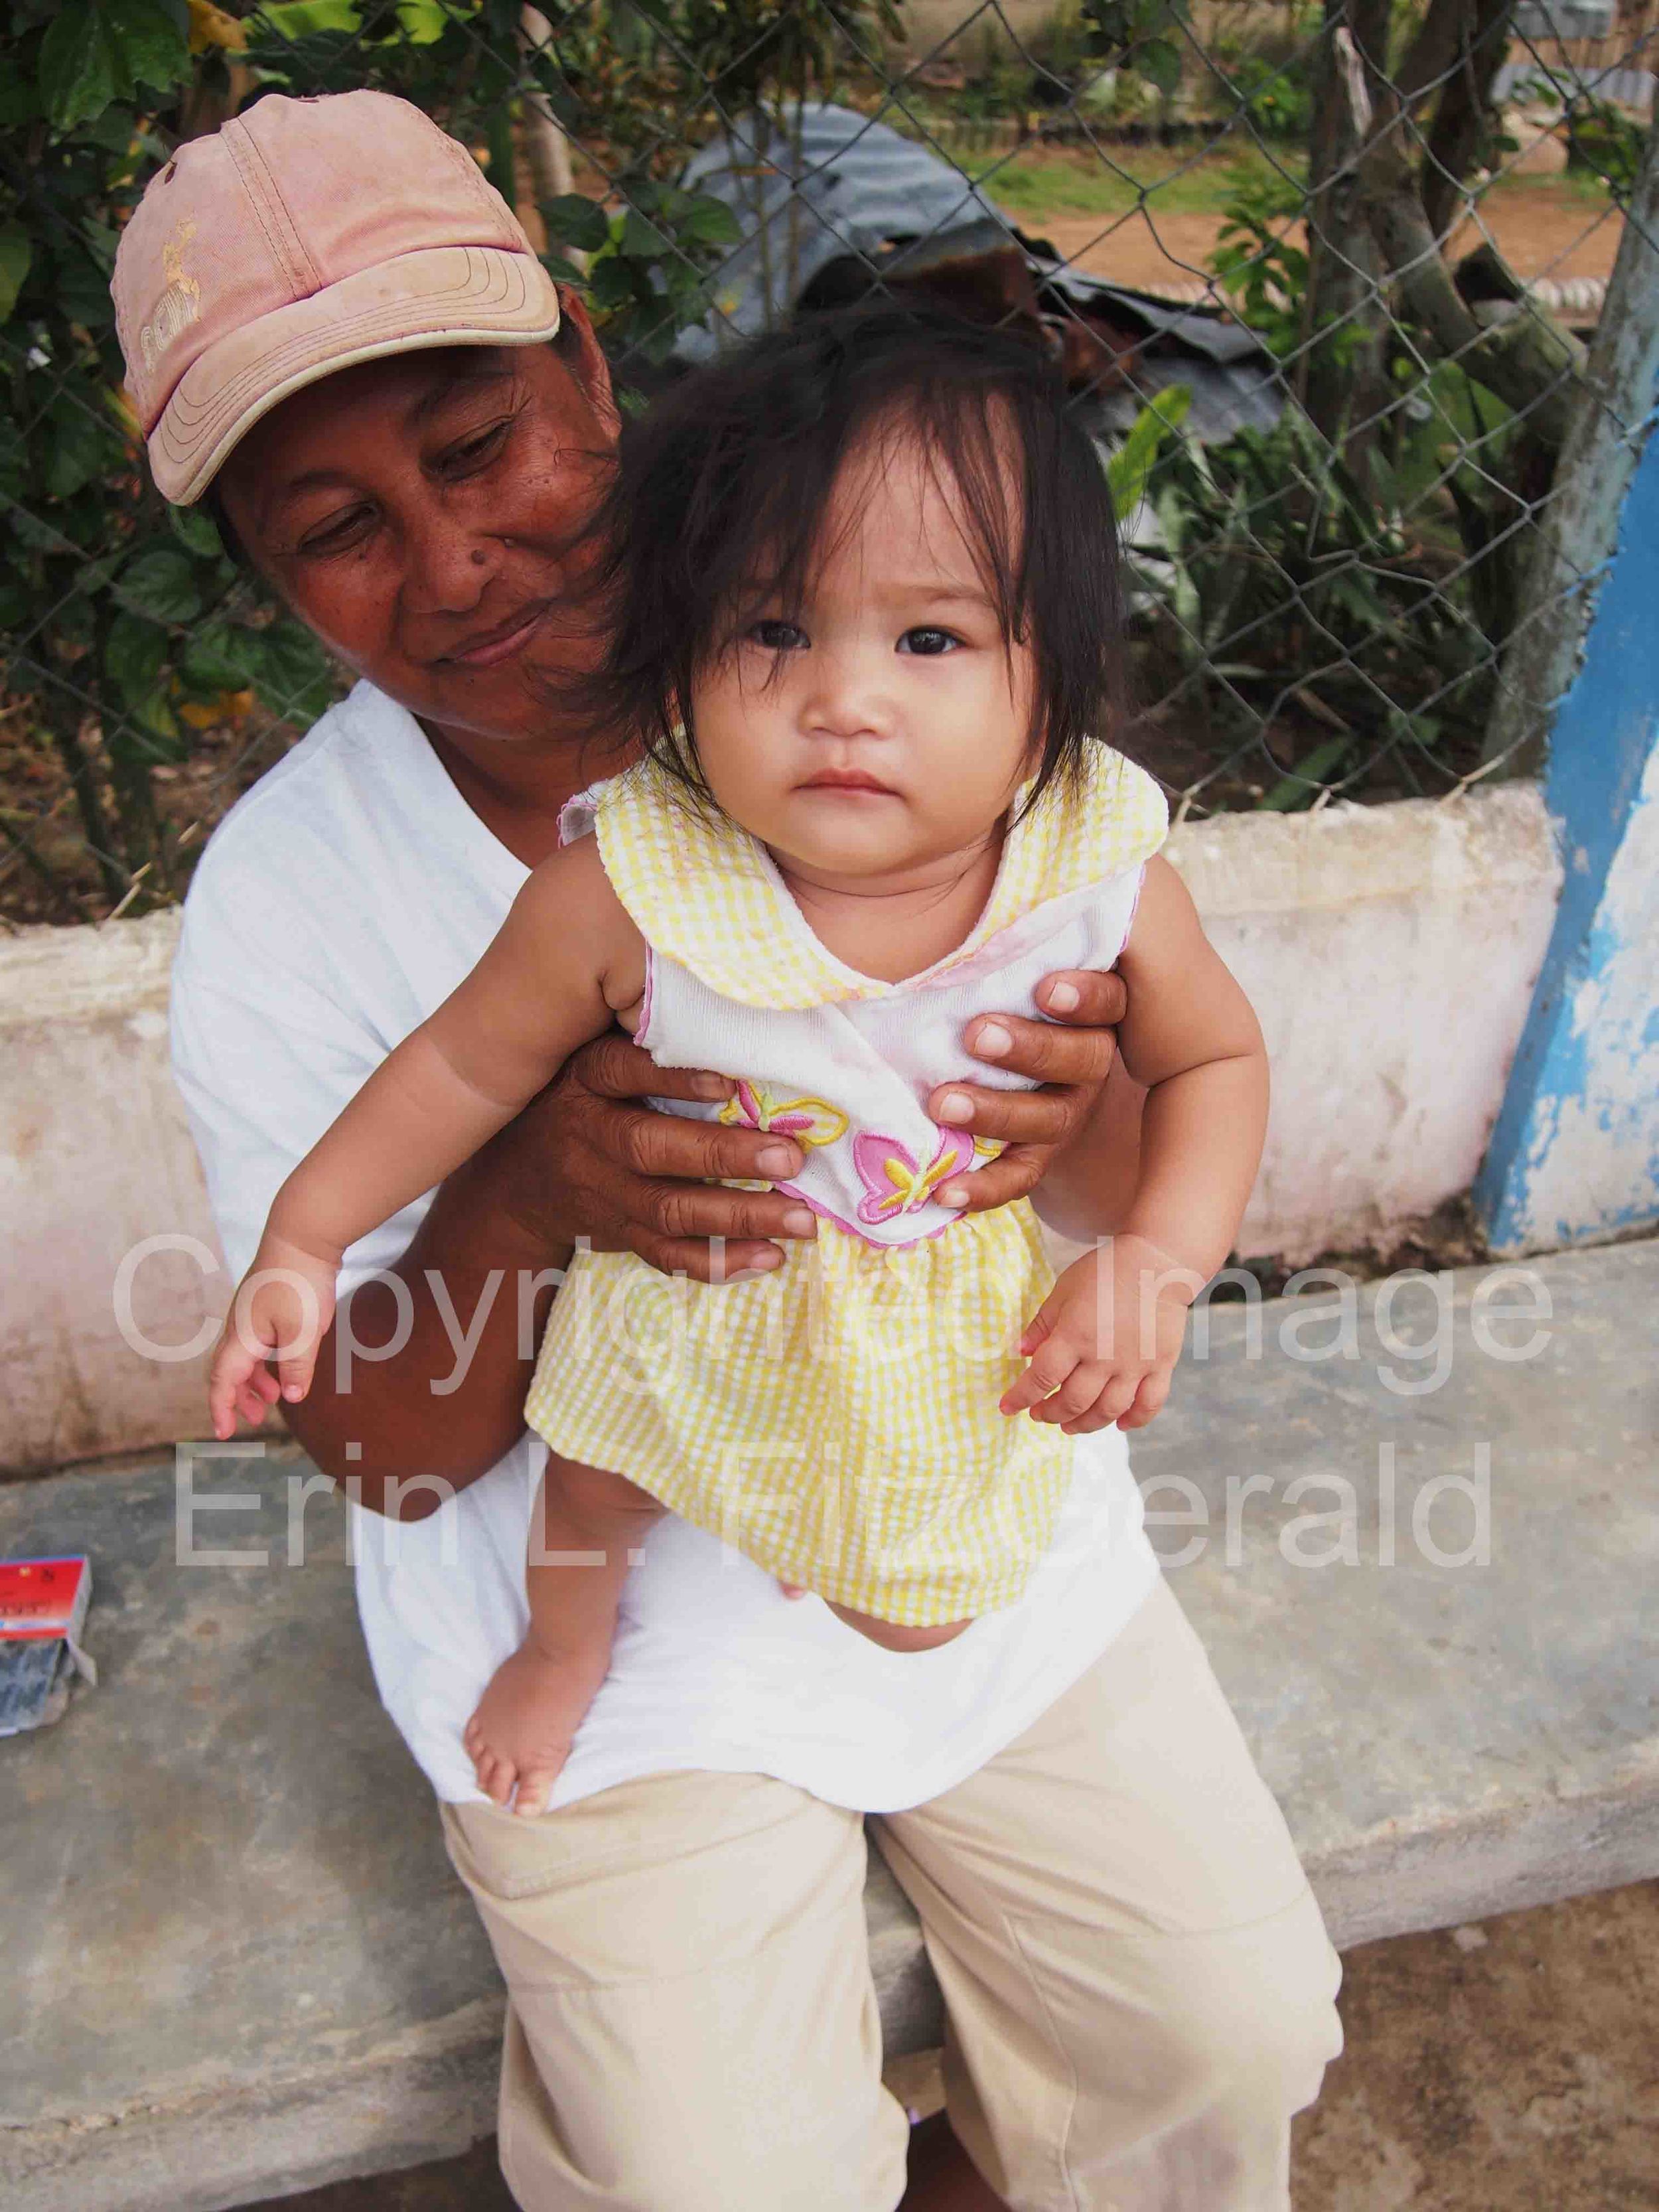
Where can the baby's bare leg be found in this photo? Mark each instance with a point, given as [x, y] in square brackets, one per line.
[584, 1523]
[892, 1637]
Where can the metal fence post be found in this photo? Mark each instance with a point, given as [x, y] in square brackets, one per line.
[1575, 1152]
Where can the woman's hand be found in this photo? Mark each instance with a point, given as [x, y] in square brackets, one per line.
[585, 1159]
[1069, 1061]
[588, 1159]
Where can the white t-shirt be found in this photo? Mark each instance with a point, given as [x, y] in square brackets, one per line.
[336, 905]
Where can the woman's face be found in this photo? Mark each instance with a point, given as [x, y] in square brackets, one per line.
[420, 514]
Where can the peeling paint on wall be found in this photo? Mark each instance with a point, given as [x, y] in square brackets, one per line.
[1575, 1153]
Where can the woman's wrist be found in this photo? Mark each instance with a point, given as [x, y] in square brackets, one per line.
[487, 1215]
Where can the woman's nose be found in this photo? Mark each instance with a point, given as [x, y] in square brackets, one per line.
[449, 569]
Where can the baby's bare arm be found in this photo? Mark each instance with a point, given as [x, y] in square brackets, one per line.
[1191, 1037]
[1105, 1340]
[566, 960]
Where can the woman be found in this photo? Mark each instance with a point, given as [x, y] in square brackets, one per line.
[335, 328]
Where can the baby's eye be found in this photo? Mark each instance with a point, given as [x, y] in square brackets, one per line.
[929, 642]
[776, 636]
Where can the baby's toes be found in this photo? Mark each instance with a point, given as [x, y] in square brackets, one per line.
[496, 1776]
[535, 1787]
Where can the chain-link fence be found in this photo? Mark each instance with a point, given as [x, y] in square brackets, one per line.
[1360, 303]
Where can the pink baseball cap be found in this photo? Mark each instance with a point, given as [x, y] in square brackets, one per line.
[299, 238]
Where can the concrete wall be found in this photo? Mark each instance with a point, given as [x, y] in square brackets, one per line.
[1390, 952]
[95, 1155]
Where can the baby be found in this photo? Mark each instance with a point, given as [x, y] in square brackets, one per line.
[866, 650]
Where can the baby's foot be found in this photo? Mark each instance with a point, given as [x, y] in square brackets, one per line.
[520, 1736]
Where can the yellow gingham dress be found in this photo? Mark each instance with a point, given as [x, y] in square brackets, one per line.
[837, 1420]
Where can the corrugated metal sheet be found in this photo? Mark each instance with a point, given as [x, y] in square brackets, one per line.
[834, 187]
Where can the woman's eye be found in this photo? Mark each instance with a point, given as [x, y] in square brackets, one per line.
[777, 636]
[930, 643]
[473, 452]
[339, 531]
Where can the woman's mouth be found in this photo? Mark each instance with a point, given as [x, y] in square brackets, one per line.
[489, 647]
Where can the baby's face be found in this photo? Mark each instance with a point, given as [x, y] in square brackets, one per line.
[883, 724]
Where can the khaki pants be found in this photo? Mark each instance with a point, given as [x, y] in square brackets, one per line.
[1138, 1985]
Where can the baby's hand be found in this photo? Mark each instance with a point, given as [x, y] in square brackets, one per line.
[281, 1312]
[1106, 1340]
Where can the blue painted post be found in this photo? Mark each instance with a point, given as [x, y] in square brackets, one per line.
[1575, 1153]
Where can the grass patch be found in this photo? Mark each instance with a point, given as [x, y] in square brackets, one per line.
[1168, 182]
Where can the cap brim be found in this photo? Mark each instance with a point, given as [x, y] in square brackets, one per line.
[444, 296]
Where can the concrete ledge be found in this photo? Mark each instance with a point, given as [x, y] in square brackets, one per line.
[243, 1966]
[1428, 917]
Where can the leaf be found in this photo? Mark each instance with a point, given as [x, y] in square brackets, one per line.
[1160, 60]
[160, 582]
[15, 256]
[710, 221]
[150, 731]
[1130, 466]
[303, 19]
[195, 531]
[82, 287]
[423, 22]
[289, 670]
[214, 661]
[640, 239]
[82, 67]
[154, 37]
[78, 447]
[18, 101]
[575, 220]
[1302, 787]
[610, 282]
[135, 654]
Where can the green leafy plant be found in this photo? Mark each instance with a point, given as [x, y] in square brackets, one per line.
[135, 654]
[648, 266]
[1257, 261]
[126, 627]
[1274, 97]
[1309, 614]
[1606, 143]
[1146, 36]
[1129, 466]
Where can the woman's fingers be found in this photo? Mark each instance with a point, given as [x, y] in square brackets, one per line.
[677, 1211]
[1041, 1050]
[614, 1066]
[705, 1258]
[669, 1145]
[1013, 1117]
[1084, 998]
[1013, 1174]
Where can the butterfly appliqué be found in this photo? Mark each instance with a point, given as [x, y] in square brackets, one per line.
[894, 1182]
[810, 1121]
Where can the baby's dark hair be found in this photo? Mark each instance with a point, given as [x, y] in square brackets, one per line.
[722, 489]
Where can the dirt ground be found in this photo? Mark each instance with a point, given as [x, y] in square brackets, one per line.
[1543, 229]
[1495, 2068]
